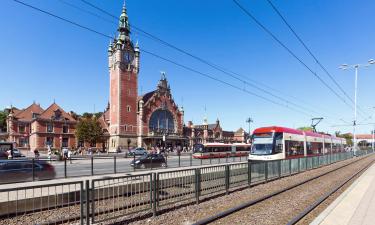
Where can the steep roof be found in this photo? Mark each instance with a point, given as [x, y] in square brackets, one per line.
[27, 114]
[363, 136]
[50, 112]
[147, 96]
[240, 130]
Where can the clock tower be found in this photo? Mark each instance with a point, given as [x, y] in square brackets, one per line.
[123, 64]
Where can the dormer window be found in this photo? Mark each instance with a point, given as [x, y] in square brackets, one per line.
[57, 114]
[35, 115]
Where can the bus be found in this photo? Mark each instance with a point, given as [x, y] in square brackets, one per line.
[274, 143]
[220, 150]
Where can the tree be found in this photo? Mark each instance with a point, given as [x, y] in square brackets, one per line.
[305, 128]
[87, 115]
[348, 137]
[3, 121]
[89, 130]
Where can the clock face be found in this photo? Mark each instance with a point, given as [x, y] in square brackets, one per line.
[128, 57]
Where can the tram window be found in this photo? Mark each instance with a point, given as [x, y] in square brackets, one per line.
[316, 148]
[327, 147]
[279, 148]
[309, 148]
[294, 148]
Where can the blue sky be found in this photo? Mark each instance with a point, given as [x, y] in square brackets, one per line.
[43, 59]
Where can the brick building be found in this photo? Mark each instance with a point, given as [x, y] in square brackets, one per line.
[206, 133]
[36, 128]
[130, 120]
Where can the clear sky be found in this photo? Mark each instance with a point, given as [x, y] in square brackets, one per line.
[42, 58]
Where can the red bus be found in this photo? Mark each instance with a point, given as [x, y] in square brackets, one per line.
[220, 150]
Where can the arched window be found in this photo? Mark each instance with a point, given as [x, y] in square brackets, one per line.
[162, 121]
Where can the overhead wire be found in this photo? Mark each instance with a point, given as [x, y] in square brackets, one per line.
[290, 52]
[310, 53]
[165, 59]
[212, 65]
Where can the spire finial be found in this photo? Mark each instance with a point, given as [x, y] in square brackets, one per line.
[124, 27]
[163, 75]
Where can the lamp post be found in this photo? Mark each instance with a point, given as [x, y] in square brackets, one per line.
[355, 67]
[249, 120]
[373, 131]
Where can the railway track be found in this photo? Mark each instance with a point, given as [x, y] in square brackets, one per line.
[307, 210]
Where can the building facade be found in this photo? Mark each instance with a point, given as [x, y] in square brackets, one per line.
[208, 133]
[35, 128]
[150, 120]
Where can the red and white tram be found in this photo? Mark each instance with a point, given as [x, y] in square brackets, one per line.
[272, 143]
[220, 150]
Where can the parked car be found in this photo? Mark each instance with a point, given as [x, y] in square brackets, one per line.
[137, 151]
[149, 161]
[22, 170]
[3, 155]
[17, 153]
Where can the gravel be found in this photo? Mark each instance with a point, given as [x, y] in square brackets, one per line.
[182, 213]
[279, 210]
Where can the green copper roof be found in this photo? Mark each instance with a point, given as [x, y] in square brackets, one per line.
[124, 27]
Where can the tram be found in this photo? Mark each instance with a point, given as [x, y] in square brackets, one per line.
[273, 143]
[220, 150]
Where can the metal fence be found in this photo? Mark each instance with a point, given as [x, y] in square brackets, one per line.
[125, 197]
[42, 204]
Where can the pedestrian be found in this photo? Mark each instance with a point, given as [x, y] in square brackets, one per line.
[10, 155]
[49, 152]
[36, 154]
[65, 153]
[69, 156]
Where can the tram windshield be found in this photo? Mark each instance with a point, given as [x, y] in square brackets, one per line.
[263, 144]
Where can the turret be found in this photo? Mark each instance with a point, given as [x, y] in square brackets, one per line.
[136, 55]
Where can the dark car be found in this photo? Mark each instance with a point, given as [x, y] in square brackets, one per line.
[22, 170]
[17, 153]
[149, 161]
[3, 155]
[137, 151]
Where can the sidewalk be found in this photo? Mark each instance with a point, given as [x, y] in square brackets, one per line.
[355, 206]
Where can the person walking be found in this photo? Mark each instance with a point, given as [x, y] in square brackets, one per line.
[70, 156]
[49, 153]
[36, 154]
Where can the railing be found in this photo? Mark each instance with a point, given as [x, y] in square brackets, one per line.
[93, 165]
[126, 197]
[42, 204]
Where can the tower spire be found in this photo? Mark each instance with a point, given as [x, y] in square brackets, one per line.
[124, 28]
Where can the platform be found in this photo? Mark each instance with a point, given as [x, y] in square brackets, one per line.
[354, 206]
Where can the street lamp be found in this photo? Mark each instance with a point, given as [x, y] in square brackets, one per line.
[373, 131]
[356, 66]
[249, 120]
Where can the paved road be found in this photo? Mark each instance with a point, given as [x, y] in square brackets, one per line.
[105, 165]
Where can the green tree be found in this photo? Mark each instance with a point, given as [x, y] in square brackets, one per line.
[87, 115]
[305, 128]
[89, 130]
[3, 121]
[348, 137]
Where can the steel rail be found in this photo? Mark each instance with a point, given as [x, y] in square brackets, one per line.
[309, 209]
[256, 201]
